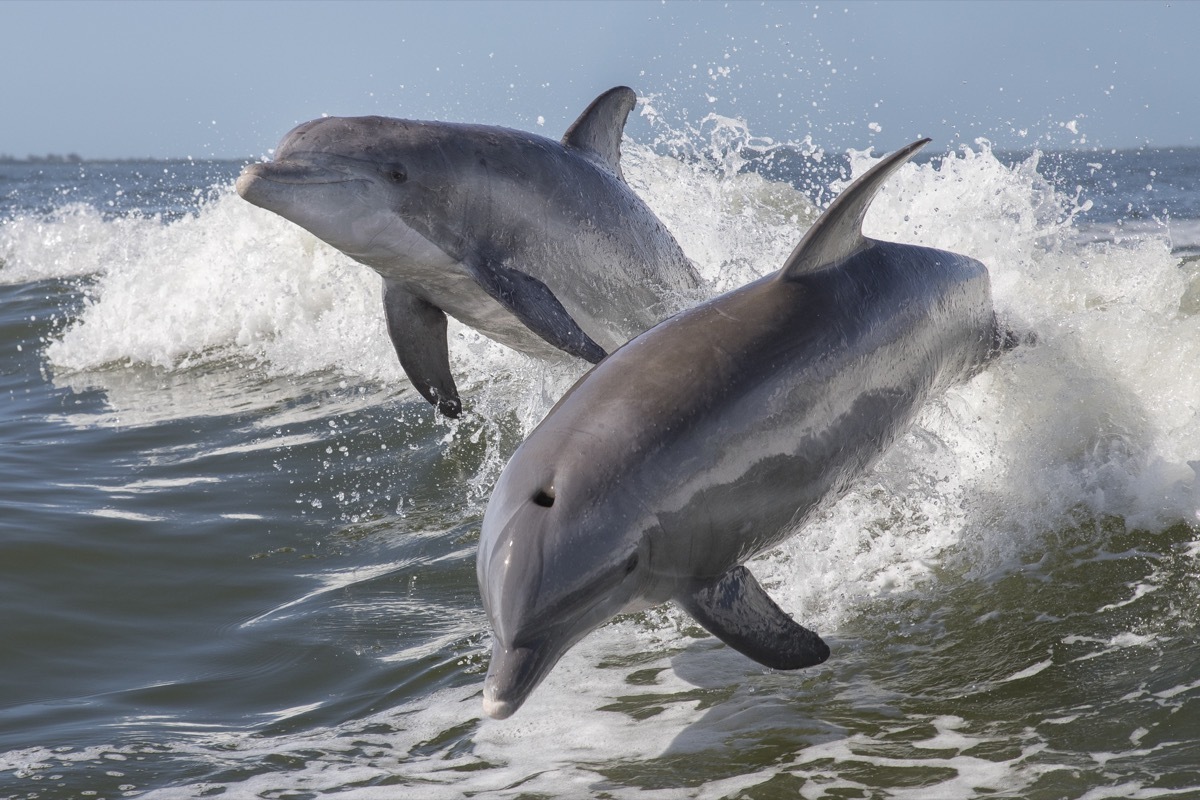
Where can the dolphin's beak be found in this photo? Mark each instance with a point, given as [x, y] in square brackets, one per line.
[289, 173]
[255, 184]
[512, 676]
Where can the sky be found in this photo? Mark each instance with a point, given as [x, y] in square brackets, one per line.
[223, 79]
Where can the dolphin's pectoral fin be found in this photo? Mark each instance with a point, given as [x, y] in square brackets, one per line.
[532, 302]
[418, 332]
[735, 609]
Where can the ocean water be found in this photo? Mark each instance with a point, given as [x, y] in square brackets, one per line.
[237, 550]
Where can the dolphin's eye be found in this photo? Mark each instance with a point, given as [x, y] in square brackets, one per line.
[631, 564]
[544, 497]
[397, 174]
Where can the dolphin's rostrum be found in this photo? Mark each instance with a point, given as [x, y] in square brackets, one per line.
[716, 435]
[540, 245]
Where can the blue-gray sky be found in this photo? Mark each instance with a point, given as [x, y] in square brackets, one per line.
[227, 79]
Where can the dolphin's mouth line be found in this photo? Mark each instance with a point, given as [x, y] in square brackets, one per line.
[300, 172]
[579, 607]
[290, 181]
[305, 183]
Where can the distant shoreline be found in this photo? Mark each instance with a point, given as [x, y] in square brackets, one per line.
[74, 158]
[50, 158]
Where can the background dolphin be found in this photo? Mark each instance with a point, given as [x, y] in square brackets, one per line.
[714, 436]
[538, 244]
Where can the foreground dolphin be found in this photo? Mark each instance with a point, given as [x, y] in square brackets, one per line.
[715, 435]
[538, 244]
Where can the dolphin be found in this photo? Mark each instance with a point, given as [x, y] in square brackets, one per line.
[717, 434]
[540, 245]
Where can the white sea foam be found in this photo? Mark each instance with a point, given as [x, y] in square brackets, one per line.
[75, 240]
[130, 516]
[232, 281]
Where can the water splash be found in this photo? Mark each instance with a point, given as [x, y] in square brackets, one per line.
[1101, 413]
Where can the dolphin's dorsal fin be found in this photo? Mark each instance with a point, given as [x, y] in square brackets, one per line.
[837, 234]
[598, 130]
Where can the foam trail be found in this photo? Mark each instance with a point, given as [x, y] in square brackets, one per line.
[232, 281]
